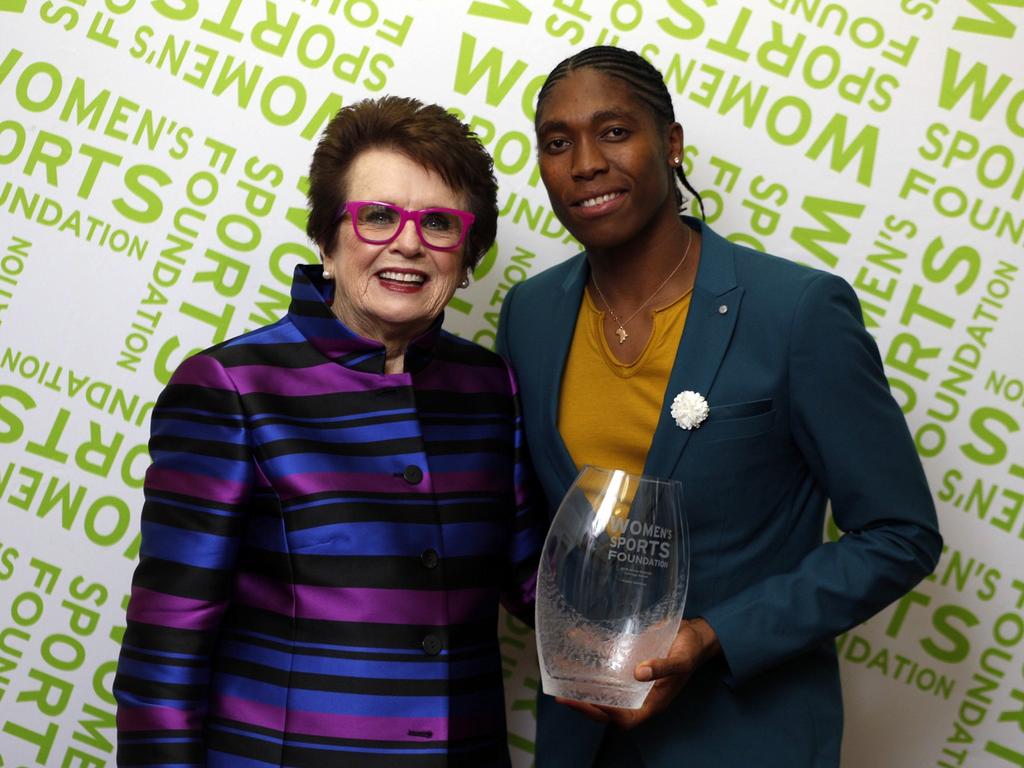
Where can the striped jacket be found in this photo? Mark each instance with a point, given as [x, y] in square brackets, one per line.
[323, 552]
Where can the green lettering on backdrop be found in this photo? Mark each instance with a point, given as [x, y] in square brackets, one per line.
[981, 422]
[695, 22]
[996, 24]
[865, 144]
[510, 10]
[975, 82]
[822, 210]
[468, 74]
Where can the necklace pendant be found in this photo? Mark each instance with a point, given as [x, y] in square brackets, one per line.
[621, 333]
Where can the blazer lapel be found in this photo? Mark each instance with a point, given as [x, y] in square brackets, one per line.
[714, 309]
[557, 342]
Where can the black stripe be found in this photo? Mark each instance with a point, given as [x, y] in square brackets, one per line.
[362, 633]
[471, 507]
[305, 681]
[183, 580]
[157, 638]
[384, 572]
[392, 447]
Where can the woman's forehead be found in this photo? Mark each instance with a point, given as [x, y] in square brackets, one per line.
[586, 95]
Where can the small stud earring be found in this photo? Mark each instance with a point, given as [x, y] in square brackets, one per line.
[675, 160]
[464, 283]
[327, 275]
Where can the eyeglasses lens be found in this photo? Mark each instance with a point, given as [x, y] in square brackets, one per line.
[379, 223]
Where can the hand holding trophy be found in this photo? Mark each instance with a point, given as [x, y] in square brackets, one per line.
[611, 585]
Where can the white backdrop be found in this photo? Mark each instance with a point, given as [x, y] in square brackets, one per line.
[151, 173]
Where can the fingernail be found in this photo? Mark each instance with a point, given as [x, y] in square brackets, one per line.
[644, 673]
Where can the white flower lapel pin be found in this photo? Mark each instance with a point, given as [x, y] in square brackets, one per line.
[689, 409]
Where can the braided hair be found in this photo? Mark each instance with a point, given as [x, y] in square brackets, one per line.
[644, 81]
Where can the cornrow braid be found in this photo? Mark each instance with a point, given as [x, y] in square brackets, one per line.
[643, 79]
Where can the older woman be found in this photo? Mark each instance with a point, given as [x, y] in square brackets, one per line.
[336, 503]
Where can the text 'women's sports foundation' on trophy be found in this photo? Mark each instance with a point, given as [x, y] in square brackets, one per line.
[611, 586]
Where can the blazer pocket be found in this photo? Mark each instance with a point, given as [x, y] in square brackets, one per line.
[738, 420]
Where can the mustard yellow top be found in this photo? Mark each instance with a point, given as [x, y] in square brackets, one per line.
[607, 410]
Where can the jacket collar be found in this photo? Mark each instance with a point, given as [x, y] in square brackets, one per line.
[706, 337]
[310, 312]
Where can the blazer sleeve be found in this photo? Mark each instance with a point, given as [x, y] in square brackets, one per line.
[502, 344]
[195, 492]
[528, 527]
[856, 443]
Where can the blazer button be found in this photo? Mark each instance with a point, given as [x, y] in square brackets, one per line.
[429, 558]
[432, 645]
[412, 474]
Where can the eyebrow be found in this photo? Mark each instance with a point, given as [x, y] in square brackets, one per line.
[601, 116]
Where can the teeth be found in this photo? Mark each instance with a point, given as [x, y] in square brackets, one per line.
[598, 200]
[402, 277]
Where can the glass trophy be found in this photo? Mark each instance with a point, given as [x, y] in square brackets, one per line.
[611, 585]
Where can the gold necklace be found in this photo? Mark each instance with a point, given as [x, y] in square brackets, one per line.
[621, 330]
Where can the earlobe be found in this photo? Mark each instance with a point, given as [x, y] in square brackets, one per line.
[675, 143]
[325, 260]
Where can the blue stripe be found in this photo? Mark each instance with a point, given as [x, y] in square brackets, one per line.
[334, 702]
[218, 433]
[164, 673]
[205, 466]
[281, 332]
[305, 463]
[359, 668]
[392, 539]
[203, 550]
[365, 433]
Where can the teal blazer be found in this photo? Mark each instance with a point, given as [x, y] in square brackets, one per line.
[800, 415]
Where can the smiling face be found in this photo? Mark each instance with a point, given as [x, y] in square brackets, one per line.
[393, 292]
[604, 160]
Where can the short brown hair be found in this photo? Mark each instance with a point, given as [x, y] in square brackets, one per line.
[425, 133]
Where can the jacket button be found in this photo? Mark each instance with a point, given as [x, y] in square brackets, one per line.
[432, 645]
[429, 558]
[412, 474]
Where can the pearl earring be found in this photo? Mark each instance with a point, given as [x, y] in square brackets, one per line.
[327, 275]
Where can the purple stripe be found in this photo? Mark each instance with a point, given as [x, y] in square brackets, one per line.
[201, 371]
[383, 606]
[454, 482]
[157, 719]
[149, 607]
[327, 724]
[456, 377]
[296, 485]
[373, 482]
[317, 380]
[197, 486]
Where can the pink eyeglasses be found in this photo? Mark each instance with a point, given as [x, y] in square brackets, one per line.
[442, 229]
